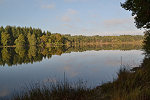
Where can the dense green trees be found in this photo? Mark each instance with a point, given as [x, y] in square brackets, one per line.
[141, 10]
[79, 39]
[5, 38]
[147, 43]
[20, 41]
[23, 36]
[134, 84]
[31, 39]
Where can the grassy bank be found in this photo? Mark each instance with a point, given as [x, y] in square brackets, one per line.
[130, 85]
[56, 91]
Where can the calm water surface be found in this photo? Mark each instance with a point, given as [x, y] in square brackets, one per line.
[95, 67]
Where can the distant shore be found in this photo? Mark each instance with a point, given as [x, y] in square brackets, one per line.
[86, 43]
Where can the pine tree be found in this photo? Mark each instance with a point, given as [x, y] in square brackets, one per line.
[20, 41]
[32, 39]
[5, 38]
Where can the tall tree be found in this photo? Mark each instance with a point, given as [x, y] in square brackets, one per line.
[5, 38]
[8, 29]
[141, 10]
[31, 39]
[1, 30]
[58, 37]
[20, 41]
[44, 40]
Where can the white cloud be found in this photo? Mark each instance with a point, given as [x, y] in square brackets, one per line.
[71, 11]
[116, 22]
[48, 6]
[68, 15]
[66, 19]
[126, 32]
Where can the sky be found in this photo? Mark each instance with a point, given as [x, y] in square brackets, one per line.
[75, 17]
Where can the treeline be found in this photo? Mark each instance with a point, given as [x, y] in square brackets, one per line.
[23, 36]
[79, 39]
[28, 36]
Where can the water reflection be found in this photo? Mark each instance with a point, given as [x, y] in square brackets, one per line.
[24, 55]
[96, 66]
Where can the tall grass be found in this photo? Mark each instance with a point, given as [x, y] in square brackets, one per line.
[56, 91]
[128, 86]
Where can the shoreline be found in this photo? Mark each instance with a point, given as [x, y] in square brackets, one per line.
[96, 43]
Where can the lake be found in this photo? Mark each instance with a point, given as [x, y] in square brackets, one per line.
[93, 64]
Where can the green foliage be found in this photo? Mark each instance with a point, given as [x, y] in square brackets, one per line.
[32, 39]
[1, 30]
[79, 39]
[146, 46]
[5, 38]
[23, 36]
[43, 39]
[141, 10]
[136, 85]
[129, 85]
[20, 41]
[58, 38]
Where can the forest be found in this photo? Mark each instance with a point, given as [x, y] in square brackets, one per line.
[28, 36]
[79, 39]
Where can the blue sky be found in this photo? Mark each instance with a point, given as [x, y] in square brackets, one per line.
[75, 17]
